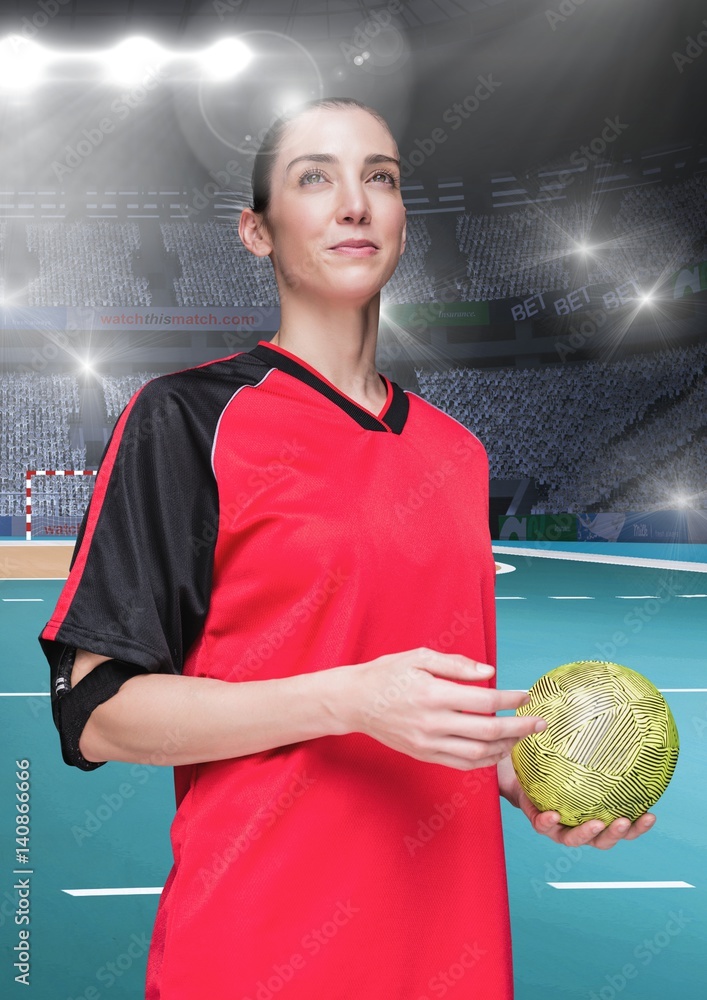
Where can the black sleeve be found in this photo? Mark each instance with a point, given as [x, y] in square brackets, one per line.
[140, 579]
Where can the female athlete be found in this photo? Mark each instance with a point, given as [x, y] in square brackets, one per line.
[284, 588]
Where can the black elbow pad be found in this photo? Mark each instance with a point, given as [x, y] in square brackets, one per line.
[71, 706]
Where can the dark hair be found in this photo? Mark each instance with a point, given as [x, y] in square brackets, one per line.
[267, 153]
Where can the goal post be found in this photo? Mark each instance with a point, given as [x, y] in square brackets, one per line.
[58, 504]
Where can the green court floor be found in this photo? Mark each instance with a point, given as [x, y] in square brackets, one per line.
[109, 829]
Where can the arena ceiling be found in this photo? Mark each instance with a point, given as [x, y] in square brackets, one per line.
[313, 19]
[550, 74]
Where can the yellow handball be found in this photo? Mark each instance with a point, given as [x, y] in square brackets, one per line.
[610, 746]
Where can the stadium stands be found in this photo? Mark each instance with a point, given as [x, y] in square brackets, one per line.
[85, 264]
[37, 411]
[118, 389]
[411, 281]
[655, 230]
[217, 270]
[583, 431]
[3, 233]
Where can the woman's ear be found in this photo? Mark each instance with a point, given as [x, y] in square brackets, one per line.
[253, 233]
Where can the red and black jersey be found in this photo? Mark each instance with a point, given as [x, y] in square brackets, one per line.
[251, 521]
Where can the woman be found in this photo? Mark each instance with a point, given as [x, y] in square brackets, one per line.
[284, 588]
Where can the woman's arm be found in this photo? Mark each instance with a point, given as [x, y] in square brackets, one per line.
[409, 701]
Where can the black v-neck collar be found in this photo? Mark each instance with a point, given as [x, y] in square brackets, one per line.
[393, 416]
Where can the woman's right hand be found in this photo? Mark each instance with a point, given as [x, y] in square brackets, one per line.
[413, 702]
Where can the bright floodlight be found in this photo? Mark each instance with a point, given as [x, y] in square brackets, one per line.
[681, 500]
[225, 59]
[134, 60]
[22, 63]
[583, 247]
[646, 299]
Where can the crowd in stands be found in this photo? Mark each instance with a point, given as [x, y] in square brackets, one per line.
[662, 228]
[118, 390]
[518, 253]
[35, 433]
[656, 230]
[579, 430]
[217, 270]
[622, 436]
[411, 280]
[679, 476]
[86, 264]
[3, 233]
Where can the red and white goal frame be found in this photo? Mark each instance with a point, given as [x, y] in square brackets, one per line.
[28, 490]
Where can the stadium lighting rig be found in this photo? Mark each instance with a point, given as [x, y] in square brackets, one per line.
[25, 63]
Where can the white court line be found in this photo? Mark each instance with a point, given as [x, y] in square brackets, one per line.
[24, 694]
[569, 598]
[691, 595]
[636, 597]
[36, 542]
[682, 690]
[511, 598]
[621, 885]
[696, 567]
[23, 600]
[138, 891]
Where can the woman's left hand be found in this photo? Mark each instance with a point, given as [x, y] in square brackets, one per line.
[594, 833]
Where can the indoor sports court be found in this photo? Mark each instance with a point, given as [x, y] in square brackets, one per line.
[627, 922]
[326, 329]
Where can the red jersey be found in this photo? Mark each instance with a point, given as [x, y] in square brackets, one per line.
[250, 521]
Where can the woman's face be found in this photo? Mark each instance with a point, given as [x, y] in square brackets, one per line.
[332, 194]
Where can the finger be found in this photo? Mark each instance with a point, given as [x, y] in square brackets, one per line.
[623, 829]
[473, 750]
[479, 699]
[642, 825]
[548, 823]
[452, 665]
[494, 728]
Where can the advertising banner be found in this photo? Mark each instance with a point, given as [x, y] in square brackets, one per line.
[538, 527]
[425, 314]
[688, 281]
[232, 319]
[674, 526]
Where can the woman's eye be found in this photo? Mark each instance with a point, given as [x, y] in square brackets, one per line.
[310, 173]
[390, 177]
